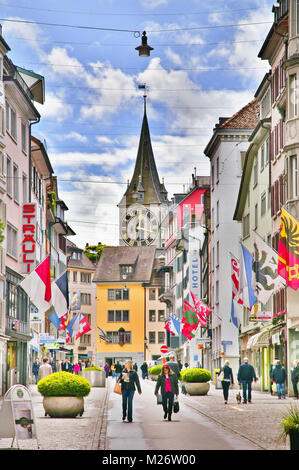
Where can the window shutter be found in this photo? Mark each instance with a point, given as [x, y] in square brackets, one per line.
[272, 200]
[272, 145]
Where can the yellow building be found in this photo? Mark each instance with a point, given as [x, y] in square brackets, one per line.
[121, 277]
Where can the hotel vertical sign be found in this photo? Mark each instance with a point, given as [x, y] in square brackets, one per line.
[194, 273]
[29, 213]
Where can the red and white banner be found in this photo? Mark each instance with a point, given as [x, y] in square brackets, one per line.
[235, 273]
[29, 237]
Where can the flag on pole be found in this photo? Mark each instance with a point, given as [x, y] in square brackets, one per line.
[173, 325]
[73, 327]
[75, 303]
[201, 320]
[234, 317]
[235, 274]
[103, 336]
[190, 321]
[37, 286]
[265, 268]
[64, 320]
[288, 250]
[246, 278]
[60, 295]
[54, 318]
[200, 309]
[84, 327]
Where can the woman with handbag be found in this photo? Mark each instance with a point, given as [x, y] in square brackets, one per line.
[128, 379]
[168, 383]
[226, 377]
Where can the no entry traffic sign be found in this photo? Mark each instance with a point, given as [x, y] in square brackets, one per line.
[164, 349]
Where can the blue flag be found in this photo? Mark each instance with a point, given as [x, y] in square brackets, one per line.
[54, 318]
[76, 302]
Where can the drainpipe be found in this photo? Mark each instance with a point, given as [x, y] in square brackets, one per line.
[30, 157]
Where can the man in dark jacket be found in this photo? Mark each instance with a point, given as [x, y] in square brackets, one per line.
[246, 375]
[295, 378]
[279, 377]
[174, 366]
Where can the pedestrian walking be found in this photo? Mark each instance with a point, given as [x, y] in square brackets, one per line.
[129, 380]
[118, 369]
[107, 369]
[44, 370]
[174, 366]
[227, 380]
[112, 368]
[76, 368]
[279, 377]
[272, 365]
[67, 366]
[53, 364]
[135, 367]
[295, 378]
[144, 370]
[246, 374]
[168, 383]
[35, 369]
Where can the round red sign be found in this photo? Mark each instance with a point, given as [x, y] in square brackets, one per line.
[164, 349]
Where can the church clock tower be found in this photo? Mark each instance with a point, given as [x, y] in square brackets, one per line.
[144, 204]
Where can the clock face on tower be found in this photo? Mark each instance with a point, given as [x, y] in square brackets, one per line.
[139, 227]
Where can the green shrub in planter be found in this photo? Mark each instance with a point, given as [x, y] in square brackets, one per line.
[96, 368]
[290, 426]
[63, 384]
[195, 375]
[156, 370]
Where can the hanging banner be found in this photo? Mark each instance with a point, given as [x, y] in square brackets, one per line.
[28, 247]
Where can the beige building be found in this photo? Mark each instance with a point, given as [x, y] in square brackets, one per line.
[80, 275]
[155, 332]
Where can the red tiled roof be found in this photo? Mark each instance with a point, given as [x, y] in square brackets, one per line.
[245, 118]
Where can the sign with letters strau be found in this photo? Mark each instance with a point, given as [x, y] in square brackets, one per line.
[29, 214]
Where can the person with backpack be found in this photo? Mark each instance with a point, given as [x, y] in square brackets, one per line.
[279, 377]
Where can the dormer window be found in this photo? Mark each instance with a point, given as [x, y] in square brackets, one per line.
[126, 269]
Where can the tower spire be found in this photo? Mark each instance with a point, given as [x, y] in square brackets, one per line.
[145, 173]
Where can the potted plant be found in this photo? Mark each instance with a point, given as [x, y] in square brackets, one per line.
[95, 375]
[196, 381]
[63, 394]
[290, 426]
[155, 372]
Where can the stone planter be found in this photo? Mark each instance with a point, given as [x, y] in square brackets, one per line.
[196, 388]
[154, 377]
[96, 378]
[63, 407]
[294, 439]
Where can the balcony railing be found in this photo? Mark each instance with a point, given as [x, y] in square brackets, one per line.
[19, 326]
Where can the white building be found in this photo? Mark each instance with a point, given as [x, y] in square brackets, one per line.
[226, 149]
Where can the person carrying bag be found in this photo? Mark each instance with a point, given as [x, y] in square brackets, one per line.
[129, 380]
[168, 383]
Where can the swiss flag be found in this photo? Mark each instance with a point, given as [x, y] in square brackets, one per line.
[84, 327]
[37, 286]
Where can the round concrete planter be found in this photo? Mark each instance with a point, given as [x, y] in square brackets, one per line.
[63, 407]
[196, 388]
[96, 378]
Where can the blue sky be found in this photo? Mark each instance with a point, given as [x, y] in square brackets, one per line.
[204, 65]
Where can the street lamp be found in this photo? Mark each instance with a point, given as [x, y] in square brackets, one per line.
[144, 49]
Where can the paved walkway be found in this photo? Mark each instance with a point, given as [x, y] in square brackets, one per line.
[258, 422]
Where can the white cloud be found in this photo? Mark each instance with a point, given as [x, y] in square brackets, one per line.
[75, 136]
[55, 107]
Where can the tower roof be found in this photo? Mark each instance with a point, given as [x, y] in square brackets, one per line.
[145, 178]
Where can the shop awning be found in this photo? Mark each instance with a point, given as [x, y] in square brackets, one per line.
[258, 340]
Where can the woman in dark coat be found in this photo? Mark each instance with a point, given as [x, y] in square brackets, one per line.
[128, 379]
[168, 383]
[227, 380]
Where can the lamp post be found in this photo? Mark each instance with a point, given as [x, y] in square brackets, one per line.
[144, 49]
